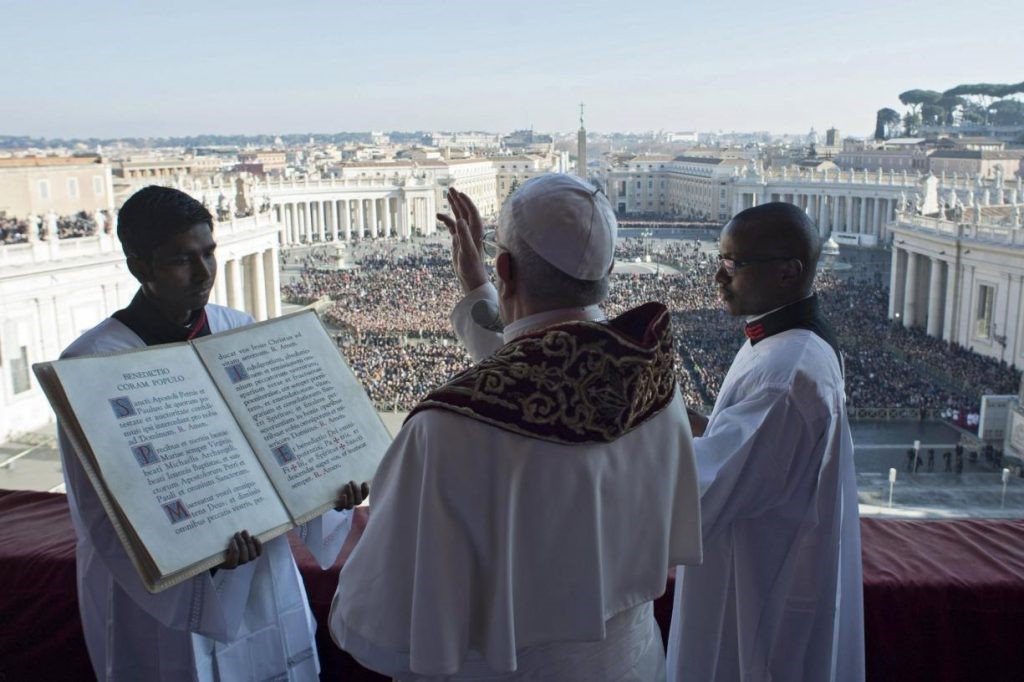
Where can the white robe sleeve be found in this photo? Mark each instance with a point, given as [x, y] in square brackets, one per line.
[481, 343]
[325, 535]
[208, 605]
[379, 614]
[746, 458]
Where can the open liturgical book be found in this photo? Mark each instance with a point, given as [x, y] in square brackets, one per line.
[255, 428]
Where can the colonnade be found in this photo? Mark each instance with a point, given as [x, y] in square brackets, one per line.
[922, 292]
[856, 214]
[251, 282]
[334, 218]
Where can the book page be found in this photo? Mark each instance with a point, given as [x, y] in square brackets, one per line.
[307, 417]
[170, 452]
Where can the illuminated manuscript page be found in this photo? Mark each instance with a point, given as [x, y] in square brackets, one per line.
[170, 452]
[307, 418]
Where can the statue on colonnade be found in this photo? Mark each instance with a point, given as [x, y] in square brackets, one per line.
[901, 205]
[50, 229]
[33, 228]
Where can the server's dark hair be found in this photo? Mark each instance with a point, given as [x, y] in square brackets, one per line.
[153, 215]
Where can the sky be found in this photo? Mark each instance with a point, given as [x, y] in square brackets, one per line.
[110, 69]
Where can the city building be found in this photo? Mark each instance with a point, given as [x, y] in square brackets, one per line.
[903, 154]
[959, 275]
[513, 171]
[263, 161]
[63, 185]
[680, 187]
[51, 291]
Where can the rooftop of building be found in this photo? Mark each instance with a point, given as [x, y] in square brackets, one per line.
[984, 154]
[39, 161]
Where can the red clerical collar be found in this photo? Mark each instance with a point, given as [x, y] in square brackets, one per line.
[754, 331]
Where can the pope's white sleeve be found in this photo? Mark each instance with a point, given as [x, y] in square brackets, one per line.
[748, 454]
[208, 605]
[480, 342]
[325, 535]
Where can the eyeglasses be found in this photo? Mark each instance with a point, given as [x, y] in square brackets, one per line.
[490, 244]
[731, 265]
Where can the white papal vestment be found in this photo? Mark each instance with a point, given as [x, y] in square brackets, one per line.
[492, 555]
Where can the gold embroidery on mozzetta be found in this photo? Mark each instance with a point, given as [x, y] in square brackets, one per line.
[577, 382]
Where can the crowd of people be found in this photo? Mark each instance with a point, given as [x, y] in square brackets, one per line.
[391, 313]
[17, 230]
[13, 230]
[80, 224]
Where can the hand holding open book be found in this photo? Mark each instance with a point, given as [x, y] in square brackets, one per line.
[261, 428]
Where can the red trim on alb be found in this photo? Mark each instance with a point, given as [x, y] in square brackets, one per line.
[754, 332]
[198, 326]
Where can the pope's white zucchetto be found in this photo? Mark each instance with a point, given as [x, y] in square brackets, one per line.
[567, 221]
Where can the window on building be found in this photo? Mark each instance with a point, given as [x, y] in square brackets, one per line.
[44, 189]
[73, 188]
[97, 185]
[983, 317]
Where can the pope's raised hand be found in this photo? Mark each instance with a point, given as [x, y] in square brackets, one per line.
[467, 230]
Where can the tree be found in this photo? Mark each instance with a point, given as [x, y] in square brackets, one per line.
[911, 123]
[949, 105]
[984, 94]
[886, 122]
[1007, 112]
[916, 98]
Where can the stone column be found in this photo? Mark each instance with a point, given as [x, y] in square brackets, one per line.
[910, 291]
[876, 218]
[935, 299]
[951, 298]
[402, 216]
[822, 215]
[334, 220]
[271, 268]
[848, 205]
[257, 285]
[220, 287]
[236, 295]
[862, 205]
[897, 279]
[835, 214]
[360, 223]
[374, 230]
[307, 214]
[346, 220]
[386, 222]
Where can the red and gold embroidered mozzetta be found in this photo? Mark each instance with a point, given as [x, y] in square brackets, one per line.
[577, 382]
